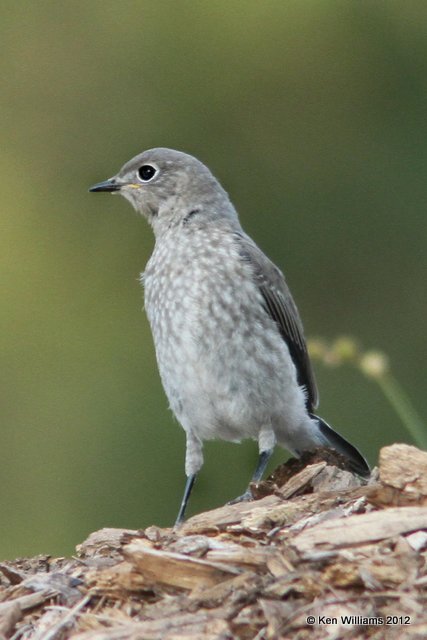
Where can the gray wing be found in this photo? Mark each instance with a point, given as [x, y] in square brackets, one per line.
[281, 307]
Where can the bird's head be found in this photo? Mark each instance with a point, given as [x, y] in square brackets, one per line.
[169, 187]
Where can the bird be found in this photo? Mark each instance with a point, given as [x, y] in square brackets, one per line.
[228, 337]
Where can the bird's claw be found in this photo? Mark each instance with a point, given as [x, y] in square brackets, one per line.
[245, 497]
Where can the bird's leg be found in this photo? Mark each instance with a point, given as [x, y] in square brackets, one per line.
[187, 491]
[262, 463]
[266, 444]
[193, 462]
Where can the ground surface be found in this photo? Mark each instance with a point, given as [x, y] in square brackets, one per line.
[316, 555]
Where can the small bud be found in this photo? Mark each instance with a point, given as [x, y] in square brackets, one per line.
[317, 348]
[345, 349]
[374, 364]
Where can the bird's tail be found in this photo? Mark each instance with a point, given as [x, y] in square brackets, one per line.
[333, 439]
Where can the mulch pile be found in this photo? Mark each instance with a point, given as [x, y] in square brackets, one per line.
[317, 554]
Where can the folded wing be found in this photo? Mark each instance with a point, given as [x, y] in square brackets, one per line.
[280, 306]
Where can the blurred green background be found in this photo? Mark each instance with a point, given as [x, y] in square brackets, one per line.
[313, 114]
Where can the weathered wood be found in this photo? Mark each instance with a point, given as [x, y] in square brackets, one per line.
[176, 569]
[369, 527]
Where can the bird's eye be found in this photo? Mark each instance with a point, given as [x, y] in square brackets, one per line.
[146, 172]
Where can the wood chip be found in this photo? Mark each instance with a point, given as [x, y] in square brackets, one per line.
[176, 569]
[404, 467]
[368, 527]
[203, 625]
[10, 613]
[104, 541]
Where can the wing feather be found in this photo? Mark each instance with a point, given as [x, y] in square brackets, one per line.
[282, 309]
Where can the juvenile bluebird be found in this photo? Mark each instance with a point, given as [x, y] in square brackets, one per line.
[229, 340]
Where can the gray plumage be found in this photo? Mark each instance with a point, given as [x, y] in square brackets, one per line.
[228, 337]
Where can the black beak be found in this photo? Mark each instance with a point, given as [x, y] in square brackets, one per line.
[107, 185]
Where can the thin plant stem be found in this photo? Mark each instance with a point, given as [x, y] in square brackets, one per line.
[403, 407]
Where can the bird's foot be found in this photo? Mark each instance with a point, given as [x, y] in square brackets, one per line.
[245, 497]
